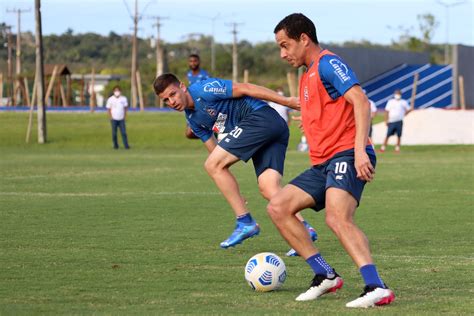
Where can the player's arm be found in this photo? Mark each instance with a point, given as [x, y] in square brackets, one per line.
[262, 93]
[355, 96]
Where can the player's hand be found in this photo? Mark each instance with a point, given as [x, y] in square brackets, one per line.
[364, 168]
[293, 103]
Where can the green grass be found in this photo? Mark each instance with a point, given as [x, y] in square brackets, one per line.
[85, 229]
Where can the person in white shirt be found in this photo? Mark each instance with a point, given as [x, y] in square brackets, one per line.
[117, 109]
[373, 112]
[395, 111]
[284, 111]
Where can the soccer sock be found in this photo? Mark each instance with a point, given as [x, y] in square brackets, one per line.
[306, 225]
[245, 219]
[371, 276]
[319, 265]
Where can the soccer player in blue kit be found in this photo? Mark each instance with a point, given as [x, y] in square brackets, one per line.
[255, 130]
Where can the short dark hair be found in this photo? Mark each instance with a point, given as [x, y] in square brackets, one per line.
[195, 56]
[164, 81]
[117, 87]
[296, 24]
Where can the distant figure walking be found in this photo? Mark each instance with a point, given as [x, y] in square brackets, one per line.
[395, 111]
[117, 108]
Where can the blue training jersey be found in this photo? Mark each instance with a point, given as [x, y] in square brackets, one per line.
[336, 75]
[202, 75]
[215, 110]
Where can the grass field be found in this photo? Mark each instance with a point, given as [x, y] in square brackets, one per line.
[85, 229]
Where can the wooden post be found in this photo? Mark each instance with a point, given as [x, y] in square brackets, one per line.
[1, 88]
[63, 95]
[82, 97]
[69, 90]
[33, 93]
[30, 115]
[140, 92]
[462, 96]
[50, 85]
[246, 76]
[92, 102]
[26, 91]
[291, 78]
[413, 92]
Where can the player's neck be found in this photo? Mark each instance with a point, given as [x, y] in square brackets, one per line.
[190, 101]
[196, 71]
[313, 53]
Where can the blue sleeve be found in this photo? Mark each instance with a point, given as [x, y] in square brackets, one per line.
[333, 70]
[214, 89]
[200, 132]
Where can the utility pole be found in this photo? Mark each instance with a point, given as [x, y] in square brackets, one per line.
[213, 44]
[134, 57]
[235, 57]
[18, 44]
[8, 30]
[159, 53]
[40, 75]
[447, 6]
[159, 49]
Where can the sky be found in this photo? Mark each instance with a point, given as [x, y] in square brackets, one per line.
[336, 21]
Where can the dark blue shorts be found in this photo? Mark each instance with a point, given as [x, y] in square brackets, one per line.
[395, 128]
[338, 172]
[263, 136]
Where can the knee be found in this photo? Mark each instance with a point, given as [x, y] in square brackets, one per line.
[276, 209]
[336, 223]
[212, 166]
[267, 191]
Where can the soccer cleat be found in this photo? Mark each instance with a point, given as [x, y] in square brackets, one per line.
[241, 233]
[382, 149]
[321, 285]
[373, 296]
[314, 236]
[397, 149]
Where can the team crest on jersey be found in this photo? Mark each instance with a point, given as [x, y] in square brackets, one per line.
[219, 125]
[212, 112]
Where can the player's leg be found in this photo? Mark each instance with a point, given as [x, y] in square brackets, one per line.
[342, 198]
[340, 209]
[123, 132]
[114, 133]
[399, 136]
[283, 208]
[269, 163]
[217, 166]
[390, 132]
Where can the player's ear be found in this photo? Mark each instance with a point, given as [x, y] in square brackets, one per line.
[183, 87]
[304, 38]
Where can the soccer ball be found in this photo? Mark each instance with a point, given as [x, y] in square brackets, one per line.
[265, 272]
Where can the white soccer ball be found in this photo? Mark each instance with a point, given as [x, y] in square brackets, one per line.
[265, 272]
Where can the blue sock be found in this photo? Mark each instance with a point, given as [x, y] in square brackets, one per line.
[245, 219]
[306, 225]
[371, 276]
[319, 265]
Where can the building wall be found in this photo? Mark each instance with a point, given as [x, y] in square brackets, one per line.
[463, 57]
[370, 62]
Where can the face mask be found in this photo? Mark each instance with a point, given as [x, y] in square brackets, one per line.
[117, 93]
[398, 97]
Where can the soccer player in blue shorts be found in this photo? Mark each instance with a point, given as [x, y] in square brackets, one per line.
[254, 130]
[335, 114]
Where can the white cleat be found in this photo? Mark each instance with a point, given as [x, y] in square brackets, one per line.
[373, 296]
[321, 285]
